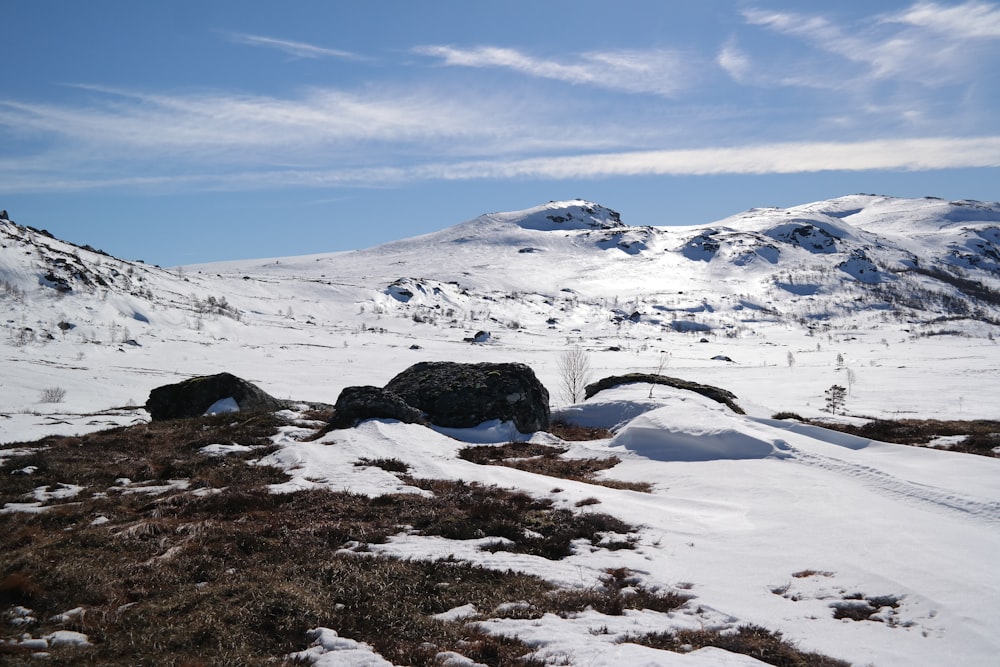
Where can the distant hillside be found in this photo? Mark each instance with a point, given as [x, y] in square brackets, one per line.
[860, 260]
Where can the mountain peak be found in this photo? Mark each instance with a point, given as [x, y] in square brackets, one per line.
[563, 215]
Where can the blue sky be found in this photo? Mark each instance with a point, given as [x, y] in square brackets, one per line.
[181, 132]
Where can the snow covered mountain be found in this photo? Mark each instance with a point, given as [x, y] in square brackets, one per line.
[766, 522]
[863, 259]
[785, 282]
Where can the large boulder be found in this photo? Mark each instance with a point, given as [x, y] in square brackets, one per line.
[356, 404]
[460, 395]
[194, 397]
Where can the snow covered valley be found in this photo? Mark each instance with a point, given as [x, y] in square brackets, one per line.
[694, 520]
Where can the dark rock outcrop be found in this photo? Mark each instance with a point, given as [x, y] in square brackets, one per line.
[460, 395]
[480, 337]
[191, 398]
[715, 393]
[358, 403]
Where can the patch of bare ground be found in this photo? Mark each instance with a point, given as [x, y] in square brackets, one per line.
[572, 432]
[981, 436]
[753, 640]
[548, 460]
[224, 572]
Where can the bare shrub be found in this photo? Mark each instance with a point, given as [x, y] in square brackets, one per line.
[52, 395]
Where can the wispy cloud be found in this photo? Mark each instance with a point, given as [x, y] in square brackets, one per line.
[735, 62]
[296, 49]
[775, 158]
[117, 135]
[216, 121]
[656, 71]
[921, 44]
[970, 20]
[780, 158]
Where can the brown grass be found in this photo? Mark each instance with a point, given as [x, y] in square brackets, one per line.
[548, 460]
[752, 640]
[529, 525]
[802, 574]
[620, 590]
[573, 432]
[239, 575]
[858, 607]
[982, 435]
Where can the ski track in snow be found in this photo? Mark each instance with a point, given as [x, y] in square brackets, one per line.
[890, 485]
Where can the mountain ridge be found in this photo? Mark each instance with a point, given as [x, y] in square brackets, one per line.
[808, 265]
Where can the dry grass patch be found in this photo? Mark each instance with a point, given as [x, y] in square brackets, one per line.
[573, 432]
[527, 525]
[238, 575]
[156, 451]
[803, 574]
[548, 460]
[620, 589]
[858, 607]
[753, 640]
[227, 573]
[982, 436]
[387, 464]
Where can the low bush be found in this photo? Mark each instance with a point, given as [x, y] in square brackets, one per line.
[52, 395]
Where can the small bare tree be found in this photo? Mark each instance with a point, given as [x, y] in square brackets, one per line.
[661, 364]
[574, 368]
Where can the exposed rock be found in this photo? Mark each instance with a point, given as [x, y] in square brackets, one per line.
[459, 395]
[480, 337]
[58, 283]
[715, 393]
[358, 403]
[191, 398]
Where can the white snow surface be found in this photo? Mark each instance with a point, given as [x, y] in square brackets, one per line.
[741, 505]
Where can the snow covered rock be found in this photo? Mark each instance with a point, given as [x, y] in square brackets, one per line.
[480, 337]
[356, 404]
[576, 214]
[194, 397]
[460, 395]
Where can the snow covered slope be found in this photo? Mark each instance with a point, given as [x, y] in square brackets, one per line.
[862, 259]
[903, 293]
